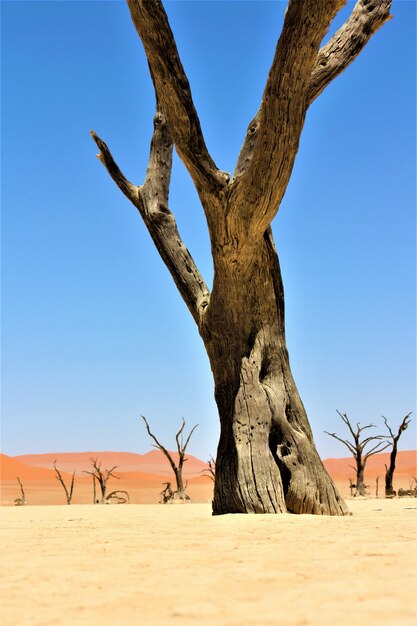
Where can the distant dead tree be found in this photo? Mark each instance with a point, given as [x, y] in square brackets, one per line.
[166, 494]
[68, 492]
[20, 501]
[115, 498]
[390, 469]
[357, 448]
[101, 476]
[377, 487]
[179, 494]
[210, 471]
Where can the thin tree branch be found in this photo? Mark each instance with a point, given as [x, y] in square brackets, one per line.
[376, 449]
[344, 441]
[159, 445]
[174, 95]
[151, 201]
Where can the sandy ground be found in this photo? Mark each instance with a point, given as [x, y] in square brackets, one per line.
[157, 565]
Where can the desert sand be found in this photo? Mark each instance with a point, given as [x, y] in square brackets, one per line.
[176, 564]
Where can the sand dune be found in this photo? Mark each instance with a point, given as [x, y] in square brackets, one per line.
[145, 481]
[153, 462]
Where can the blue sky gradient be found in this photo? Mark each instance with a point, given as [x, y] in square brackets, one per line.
[94, 333]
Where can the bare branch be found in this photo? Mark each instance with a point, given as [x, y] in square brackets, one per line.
[68, 493]
[332, 59]
[376, 449]
[344, 441]
[282, 111]
[106, 158]
[343, 48]
[159, 445]
[151, 201]
[174, 95]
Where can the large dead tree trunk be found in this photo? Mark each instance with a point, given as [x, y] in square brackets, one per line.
[266, 461]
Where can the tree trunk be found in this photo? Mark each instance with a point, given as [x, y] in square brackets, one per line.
[180, 493]
[360, 480]
[389, 471]
[266, 461]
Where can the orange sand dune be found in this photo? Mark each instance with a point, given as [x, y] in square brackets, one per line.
[144, 486]
[153, 462]
[405, 466]
[11, 467]
[41, 486]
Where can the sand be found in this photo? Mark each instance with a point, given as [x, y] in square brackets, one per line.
[156, 565]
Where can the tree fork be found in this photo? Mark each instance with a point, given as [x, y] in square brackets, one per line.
[267, 461]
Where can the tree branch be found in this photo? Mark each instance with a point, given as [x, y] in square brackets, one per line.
[159, 445]
[367, 17]
[282, 111]
[376, 449]
[344, 441]
[332, 59]
[174, 95]
[151, 201]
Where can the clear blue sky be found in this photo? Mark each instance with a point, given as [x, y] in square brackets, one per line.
[93, 331]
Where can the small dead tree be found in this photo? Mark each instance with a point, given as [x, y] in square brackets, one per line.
[210, 471]
[166, 494]
[179, 494]
[101, 476]
[390, 469]
[20, 501]
[115, 498]
[357, 448]
[68, 492]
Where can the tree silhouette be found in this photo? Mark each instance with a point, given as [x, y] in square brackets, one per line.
[179, 494]
[357, 448]
[390, 469]
[68, 492]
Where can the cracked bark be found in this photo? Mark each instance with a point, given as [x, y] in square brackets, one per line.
[266, 461]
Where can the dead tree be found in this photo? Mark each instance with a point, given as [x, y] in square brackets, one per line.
[390, 469]
[68, 492]
[101, 476]
[115, 498]
[167, 495]
[267, 461]
[357, 448]
[179, 494]
[210, 470]
[20, 501]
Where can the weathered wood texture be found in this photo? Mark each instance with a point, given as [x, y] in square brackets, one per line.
[267, 460]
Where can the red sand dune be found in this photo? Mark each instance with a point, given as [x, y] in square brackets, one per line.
[153, 462]
[142, 475]
[406, 466]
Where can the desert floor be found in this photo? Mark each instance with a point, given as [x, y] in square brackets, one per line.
[157, 565]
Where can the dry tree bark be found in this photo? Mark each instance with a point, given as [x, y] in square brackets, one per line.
[266, 461]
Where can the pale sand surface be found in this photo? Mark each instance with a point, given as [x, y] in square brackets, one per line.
[156, 565]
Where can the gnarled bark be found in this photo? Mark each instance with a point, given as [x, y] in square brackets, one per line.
[267, 461]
